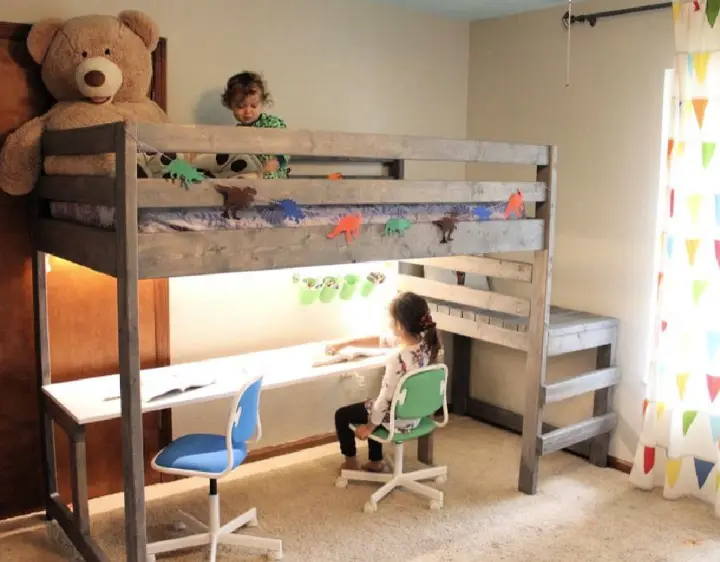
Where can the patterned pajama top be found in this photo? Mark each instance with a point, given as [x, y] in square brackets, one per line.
[267, 121]
[405, 360]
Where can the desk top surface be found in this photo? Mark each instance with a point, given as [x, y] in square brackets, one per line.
[86, 401]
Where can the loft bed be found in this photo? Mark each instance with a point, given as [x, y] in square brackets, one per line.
[135, 228]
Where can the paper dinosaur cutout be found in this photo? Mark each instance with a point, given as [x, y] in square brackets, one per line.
[236, 198]
[350, 225]
[291, 210]
[397, 226]
[482, 213]
[185, 172]
[515, 205]
[447, 226]
[335, 176]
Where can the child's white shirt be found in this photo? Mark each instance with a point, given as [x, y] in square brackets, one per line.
[399, 363]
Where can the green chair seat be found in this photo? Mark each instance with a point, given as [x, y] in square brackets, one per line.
[426, 426]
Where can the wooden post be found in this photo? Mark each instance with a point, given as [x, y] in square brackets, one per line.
[600, 445]
[128, 340]
[79, 481]
[538, 326]
[43, 377]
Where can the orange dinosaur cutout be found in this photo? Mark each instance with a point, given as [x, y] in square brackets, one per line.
[515, 205]
[335, 176]
[350, 225]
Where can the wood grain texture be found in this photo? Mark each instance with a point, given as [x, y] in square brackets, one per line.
[223, 139]
[83, 245]
[603, 404]
[484, 332]
[576, 433]
[194, 253]
[163, 193]
[85, 141]
[579, 340]
[581, 384]
[538, 332]
[93, 190]
[129, 344]
[464, 295]
[490, 267]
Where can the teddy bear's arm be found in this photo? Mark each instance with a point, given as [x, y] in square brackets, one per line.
[20, 158]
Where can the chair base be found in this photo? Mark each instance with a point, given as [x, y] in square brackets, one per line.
[397, 479]
[215, 535]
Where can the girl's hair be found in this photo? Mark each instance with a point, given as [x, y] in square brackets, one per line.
[412, 313]
[245, 84]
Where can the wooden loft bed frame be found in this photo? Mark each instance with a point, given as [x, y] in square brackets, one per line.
[130, 255]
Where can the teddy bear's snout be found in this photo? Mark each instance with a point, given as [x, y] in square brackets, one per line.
[94, 78]
[98, 79]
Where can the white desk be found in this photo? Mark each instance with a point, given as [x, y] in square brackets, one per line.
[84, 401]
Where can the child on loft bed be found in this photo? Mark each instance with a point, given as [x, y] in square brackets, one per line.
[247, 95]
[414, 332]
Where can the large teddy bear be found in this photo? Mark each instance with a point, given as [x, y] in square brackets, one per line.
[99, 69]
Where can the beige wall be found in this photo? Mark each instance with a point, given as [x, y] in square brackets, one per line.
[608, 128]
[347, 65]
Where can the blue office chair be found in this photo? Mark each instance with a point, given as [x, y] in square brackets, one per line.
[213, 457]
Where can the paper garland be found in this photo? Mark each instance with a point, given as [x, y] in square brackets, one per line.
[673, 467]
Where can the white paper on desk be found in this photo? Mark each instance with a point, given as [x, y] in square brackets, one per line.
[159, 385]
[350, 353]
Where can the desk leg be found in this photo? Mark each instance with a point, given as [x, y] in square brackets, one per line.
[425, 449]
[79, 482]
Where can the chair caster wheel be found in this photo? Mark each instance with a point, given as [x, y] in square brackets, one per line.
[436, 504]
[440, 480]
[370, 507]
[275, 555]
[341, 483]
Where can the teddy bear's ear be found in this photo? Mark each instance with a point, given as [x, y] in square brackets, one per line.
[41, 36]
[143, 26]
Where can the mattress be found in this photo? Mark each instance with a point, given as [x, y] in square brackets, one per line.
[195, 219]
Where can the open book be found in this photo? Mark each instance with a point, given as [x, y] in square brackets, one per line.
[160, 385]
[351, 353]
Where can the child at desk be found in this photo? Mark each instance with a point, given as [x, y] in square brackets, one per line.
[246, 95]
[415, 334]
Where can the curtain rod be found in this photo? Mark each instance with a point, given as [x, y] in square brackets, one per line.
[593, 18]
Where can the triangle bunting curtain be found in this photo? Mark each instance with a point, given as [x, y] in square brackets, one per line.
[679, 447]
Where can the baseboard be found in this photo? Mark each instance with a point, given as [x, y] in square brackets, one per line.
[619, 464]
[263, 453]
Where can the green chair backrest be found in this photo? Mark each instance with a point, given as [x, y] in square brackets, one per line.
[422, 392]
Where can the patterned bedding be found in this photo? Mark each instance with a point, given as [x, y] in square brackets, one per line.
[243, 165]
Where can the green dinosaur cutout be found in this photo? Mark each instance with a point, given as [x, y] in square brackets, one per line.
[186, 173]
[397, 226]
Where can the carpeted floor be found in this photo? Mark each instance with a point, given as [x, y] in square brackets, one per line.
[581, 514]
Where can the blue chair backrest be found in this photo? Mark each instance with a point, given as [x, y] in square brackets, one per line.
[247, 407]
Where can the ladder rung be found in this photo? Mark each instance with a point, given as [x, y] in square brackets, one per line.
[594, 380]
[566, 436]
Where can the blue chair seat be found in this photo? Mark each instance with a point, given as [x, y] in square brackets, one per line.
[203, 453]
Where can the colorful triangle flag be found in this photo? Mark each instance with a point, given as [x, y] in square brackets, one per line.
[702, 470]
[713, 342]
[717, 209]
[660, 409]
[692, 246]
[688, 419]
[717, 252]
[663, 325]
[672, 202]
[696, 5]
[693, 203]
[713, 384]
[670, 243]
[672, 469]
[700, 62]
[708, 151]
[712, 9]
[681, 381]
[680, 148]
[715, 427]
[699, 288]
[645, 406]
[660, 278]
[700, 106]
[648, 459]
[717, 480]
[676, 11]
[671, 145]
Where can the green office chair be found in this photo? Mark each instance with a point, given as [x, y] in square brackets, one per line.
[419, 394]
